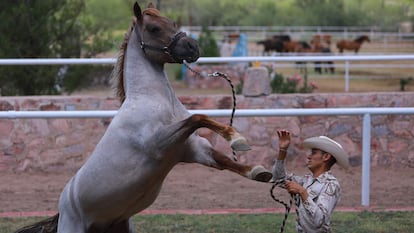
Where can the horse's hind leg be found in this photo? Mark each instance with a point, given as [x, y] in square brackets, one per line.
[125, 226]
[68, 224]
[318, 68]
[331, 67]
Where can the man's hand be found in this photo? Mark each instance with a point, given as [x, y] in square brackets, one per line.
[284, 139]
[295, 188]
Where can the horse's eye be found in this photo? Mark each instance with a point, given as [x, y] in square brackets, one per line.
[153, 29]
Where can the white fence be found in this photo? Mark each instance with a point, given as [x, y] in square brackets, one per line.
[365, 112]
[345, 58]
[255, 33]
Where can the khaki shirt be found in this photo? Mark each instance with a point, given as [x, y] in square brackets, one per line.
[324, 193]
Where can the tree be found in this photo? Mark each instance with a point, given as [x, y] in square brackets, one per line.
[300, 12]
[42, 29]
[27, 37]
[207, 44]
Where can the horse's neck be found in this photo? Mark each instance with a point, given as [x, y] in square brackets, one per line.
[360, 40]
[141, 76]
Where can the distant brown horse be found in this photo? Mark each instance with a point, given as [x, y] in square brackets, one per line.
[324, 39]
[321, 45]
[354, 45]
[314, 47]
[295, 46]
[275, 43]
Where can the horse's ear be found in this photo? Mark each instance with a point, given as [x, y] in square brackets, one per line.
[150, 5]
[178, 22]
[137, 11]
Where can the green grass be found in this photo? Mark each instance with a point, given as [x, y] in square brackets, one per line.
[362, 222]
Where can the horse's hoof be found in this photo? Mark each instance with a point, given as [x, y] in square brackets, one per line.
[259, 173]
[240, 144]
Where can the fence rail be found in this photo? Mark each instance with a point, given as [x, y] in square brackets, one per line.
[365, 112]
[255, 33]
[291, 58]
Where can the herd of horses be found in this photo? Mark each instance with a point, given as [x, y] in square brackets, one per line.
[319, 44]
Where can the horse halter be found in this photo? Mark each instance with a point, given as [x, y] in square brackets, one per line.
[166, 49]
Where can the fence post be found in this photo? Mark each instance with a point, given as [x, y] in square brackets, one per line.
[366, 159]
[256, 82]
[346, 76]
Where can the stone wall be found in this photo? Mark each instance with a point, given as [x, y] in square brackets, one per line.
[50, 144]
[236, 72]
[64, 144]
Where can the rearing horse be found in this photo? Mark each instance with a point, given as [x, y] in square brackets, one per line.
[149, 135]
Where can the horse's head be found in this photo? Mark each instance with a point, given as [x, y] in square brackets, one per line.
[362, 39]
[161, 39]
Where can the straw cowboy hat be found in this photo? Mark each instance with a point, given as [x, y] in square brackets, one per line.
[328, 145]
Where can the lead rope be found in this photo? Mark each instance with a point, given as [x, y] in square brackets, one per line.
[288, 207]
[277, 183]
[222, 75]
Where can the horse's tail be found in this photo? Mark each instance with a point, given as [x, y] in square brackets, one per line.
[48, 225]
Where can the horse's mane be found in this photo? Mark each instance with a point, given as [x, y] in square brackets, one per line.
[151, 11]
[361, 38]
[305, 44]
[118, 72]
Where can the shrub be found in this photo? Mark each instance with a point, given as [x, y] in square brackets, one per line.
[207, 43]
[290, 84]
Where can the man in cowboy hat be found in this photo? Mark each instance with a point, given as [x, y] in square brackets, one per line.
[319, 192]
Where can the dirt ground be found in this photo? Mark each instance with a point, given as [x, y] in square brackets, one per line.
[192, 186]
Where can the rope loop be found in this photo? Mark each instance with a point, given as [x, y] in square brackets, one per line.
[223, 75]
[288, 207]
[281, 182]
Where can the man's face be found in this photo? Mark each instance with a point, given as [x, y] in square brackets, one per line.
[315, 159]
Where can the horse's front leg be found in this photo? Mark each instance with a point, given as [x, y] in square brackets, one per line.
[202, 152]
[258, 172]
[237, 141]
[180, 131]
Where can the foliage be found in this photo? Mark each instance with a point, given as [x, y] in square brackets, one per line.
[404, 82]
[291, 84]
[30, 36]
[43, 29]
[268, 12]
[207, 43]
[325, 12]
[238, 89]
[399, 222]
[300, 13]
[109, 15]
[85, 28]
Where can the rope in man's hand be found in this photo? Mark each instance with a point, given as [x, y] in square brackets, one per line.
[288, 207]
[222, 75]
